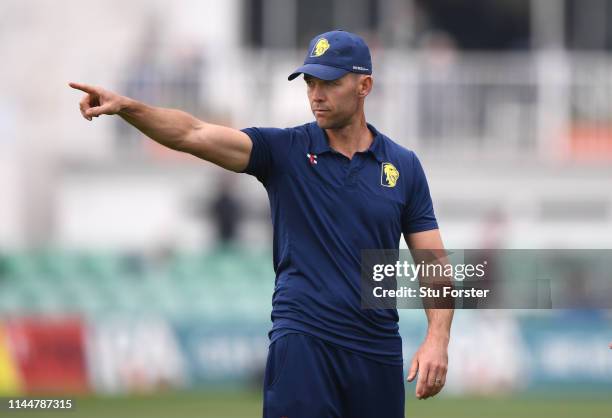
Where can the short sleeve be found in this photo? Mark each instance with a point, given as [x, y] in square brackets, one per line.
[270, 147]
[418, 214]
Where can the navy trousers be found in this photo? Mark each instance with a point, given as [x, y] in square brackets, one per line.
[308, 378]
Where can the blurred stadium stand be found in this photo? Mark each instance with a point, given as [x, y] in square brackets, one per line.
[220, 285]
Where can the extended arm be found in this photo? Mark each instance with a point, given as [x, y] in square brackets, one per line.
[431, 359]
[175, 129]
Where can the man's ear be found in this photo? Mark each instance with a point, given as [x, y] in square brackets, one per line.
[364, 85]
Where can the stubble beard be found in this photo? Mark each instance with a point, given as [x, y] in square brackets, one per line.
[337, 122]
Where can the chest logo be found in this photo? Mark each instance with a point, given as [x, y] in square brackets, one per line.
[388, 175]
[320, 47]
[312, 158]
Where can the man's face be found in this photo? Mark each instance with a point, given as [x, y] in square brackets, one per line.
[334, 103]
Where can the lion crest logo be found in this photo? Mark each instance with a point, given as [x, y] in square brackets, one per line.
[388, 175]
[320, 47]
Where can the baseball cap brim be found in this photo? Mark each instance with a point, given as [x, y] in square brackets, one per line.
[324, 72]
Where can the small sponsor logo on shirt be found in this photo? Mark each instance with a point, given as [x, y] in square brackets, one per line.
[388, 175]
[312, 158]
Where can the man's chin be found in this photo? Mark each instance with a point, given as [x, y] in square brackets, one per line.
[325, 124]
[322, 124]
[337, 122]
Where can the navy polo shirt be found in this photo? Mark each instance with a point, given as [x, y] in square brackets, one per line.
[325, 209]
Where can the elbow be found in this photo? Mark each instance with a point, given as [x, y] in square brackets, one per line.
[194, 140]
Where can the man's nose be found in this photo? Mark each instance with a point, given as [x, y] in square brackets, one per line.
[317, 93]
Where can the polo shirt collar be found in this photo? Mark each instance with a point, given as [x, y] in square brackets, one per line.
[321, 142]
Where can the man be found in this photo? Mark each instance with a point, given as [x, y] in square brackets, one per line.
[336, 186]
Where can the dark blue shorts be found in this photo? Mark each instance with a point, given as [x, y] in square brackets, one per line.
[309, 378]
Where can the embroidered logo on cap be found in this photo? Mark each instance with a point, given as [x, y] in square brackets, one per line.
[320, 47]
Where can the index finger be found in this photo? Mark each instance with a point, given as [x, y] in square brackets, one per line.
[83, 87]
[422, 391]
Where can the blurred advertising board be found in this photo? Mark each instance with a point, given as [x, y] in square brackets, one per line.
[491, 352]
[501, 351]
[43, 355]
[129, 354]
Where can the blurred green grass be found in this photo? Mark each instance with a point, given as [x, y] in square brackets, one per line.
[248, 405]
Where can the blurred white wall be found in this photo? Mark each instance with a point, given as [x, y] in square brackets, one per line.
[47, 44]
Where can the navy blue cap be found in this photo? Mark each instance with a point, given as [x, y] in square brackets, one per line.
[334, 54]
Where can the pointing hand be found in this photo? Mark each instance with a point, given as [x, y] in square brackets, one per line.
[97, 101]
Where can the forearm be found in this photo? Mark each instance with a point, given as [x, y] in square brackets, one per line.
[439, 323]
[169, 127]
[439, 310]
